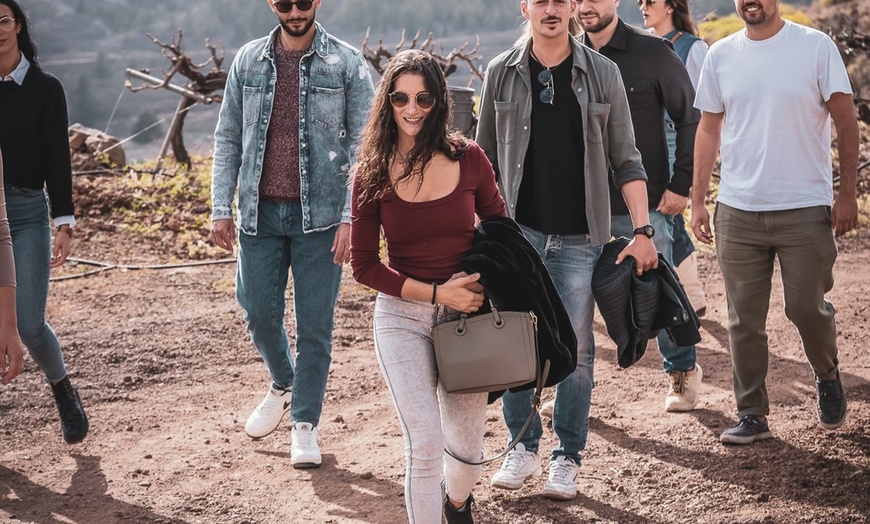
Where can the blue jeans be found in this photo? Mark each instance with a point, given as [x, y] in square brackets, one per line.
[674, 358]
[261, 280]
[31, 241]
[570, 260]
[683, 246]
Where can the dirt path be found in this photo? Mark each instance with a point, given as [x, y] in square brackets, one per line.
[163, 363]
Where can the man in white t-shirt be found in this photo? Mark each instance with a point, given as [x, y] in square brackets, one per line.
[779, 85]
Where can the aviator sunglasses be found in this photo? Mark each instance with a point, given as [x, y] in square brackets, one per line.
[400, 99]
[284, 6]
[545, 78]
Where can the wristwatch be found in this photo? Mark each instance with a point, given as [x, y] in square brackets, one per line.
[647, 231]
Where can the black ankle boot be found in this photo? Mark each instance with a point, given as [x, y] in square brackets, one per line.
[457, 516]
[73, 421]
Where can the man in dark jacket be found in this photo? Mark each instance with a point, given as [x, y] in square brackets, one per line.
[655, 81]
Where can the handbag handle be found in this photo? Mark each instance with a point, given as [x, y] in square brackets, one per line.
[460, 328]
[536, 403]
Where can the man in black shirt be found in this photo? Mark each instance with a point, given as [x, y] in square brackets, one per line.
[556, 126]
[655, 81]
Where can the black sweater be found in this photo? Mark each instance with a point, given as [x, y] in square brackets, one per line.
[34, 138]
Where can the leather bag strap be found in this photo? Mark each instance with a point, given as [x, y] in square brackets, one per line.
[536, 403]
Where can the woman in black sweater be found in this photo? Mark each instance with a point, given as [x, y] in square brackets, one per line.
[34, 141]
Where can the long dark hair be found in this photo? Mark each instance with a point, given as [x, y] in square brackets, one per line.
[25, 42]
[681, 16]
[379, 140]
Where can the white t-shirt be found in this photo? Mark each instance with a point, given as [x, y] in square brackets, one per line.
[695, 60]
[776, 141]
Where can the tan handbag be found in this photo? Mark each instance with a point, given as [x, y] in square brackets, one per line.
[489, 352]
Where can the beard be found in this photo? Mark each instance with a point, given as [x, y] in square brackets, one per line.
[296, 33]
[756, 18]
[603, 21]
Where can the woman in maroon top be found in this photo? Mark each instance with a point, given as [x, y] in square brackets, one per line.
[422, 185]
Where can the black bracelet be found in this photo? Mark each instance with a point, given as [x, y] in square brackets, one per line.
[434, 291]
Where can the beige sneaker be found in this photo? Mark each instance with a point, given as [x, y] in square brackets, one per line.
[547, 408]
[685, 388]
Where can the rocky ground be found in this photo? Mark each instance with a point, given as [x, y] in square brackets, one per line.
[169, 376]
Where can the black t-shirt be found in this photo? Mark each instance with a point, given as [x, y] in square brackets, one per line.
[552, 196]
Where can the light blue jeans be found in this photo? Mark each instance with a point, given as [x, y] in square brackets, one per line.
[431, 418]
[674, 358]
[31, 241]
[261, 281]
[570, 260]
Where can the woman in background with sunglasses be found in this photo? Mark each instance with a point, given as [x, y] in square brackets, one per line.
[671, 20]
[35, 144]
[422, 184]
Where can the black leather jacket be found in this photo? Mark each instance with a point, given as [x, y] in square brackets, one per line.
[635, 308]
[516, 279]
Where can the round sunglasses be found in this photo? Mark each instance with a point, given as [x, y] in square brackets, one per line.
[400, 99]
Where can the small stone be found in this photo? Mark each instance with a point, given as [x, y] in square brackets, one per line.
[368, 475]
[764, 497]
[145, 483]
[148, 456]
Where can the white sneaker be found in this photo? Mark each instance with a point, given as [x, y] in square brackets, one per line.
[304, 451]
[266, 417]
[562, 480]
[518, 466]
[685, 387]
[547, 408]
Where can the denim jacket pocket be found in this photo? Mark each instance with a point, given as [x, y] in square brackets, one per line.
[327, 106]
[598, 115]
[252, 101]
[505, 121]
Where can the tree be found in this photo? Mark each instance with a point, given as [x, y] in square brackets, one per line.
[202, 84]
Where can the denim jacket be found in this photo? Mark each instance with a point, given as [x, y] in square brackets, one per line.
[335, 89]
[506, 114]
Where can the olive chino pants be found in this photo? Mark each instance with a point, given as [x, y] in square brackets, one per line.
[746, 245]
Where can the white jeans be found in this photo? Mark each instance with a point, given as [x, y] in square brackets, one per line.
[431, 418]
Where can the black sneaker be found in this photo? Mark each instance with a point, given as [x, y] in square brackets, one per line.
[453, 515]
[832, 403]
[748, 430]
[73, 421]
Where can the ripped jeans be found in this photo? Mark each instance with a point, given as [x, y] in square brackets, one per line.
[431, 418]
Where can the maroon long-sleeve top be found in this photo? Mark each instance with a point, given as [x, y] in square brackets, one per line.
[425, 241]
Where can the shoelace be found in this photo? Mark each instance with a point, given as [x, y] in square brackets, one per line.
[679, 382]
[515, 461]
[67, 401]
[829, 389]
[274, 403]
[305, 438]
[561, 472]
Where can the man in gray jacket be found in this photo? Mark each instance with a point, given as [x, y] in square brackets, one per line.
[555, 123]
[294, 105]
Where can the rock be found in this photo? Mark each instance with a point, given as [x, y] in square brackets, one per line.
[91, 149]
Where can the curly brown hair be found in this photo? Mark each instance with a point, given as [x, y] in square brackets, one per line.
[379, 139]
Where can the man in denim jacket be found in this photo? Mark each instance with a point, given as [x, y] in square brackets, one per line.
[294, 105]
[555, 123]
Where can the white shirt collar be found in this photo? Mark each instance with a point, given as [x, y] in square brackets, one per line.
[18, 74]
